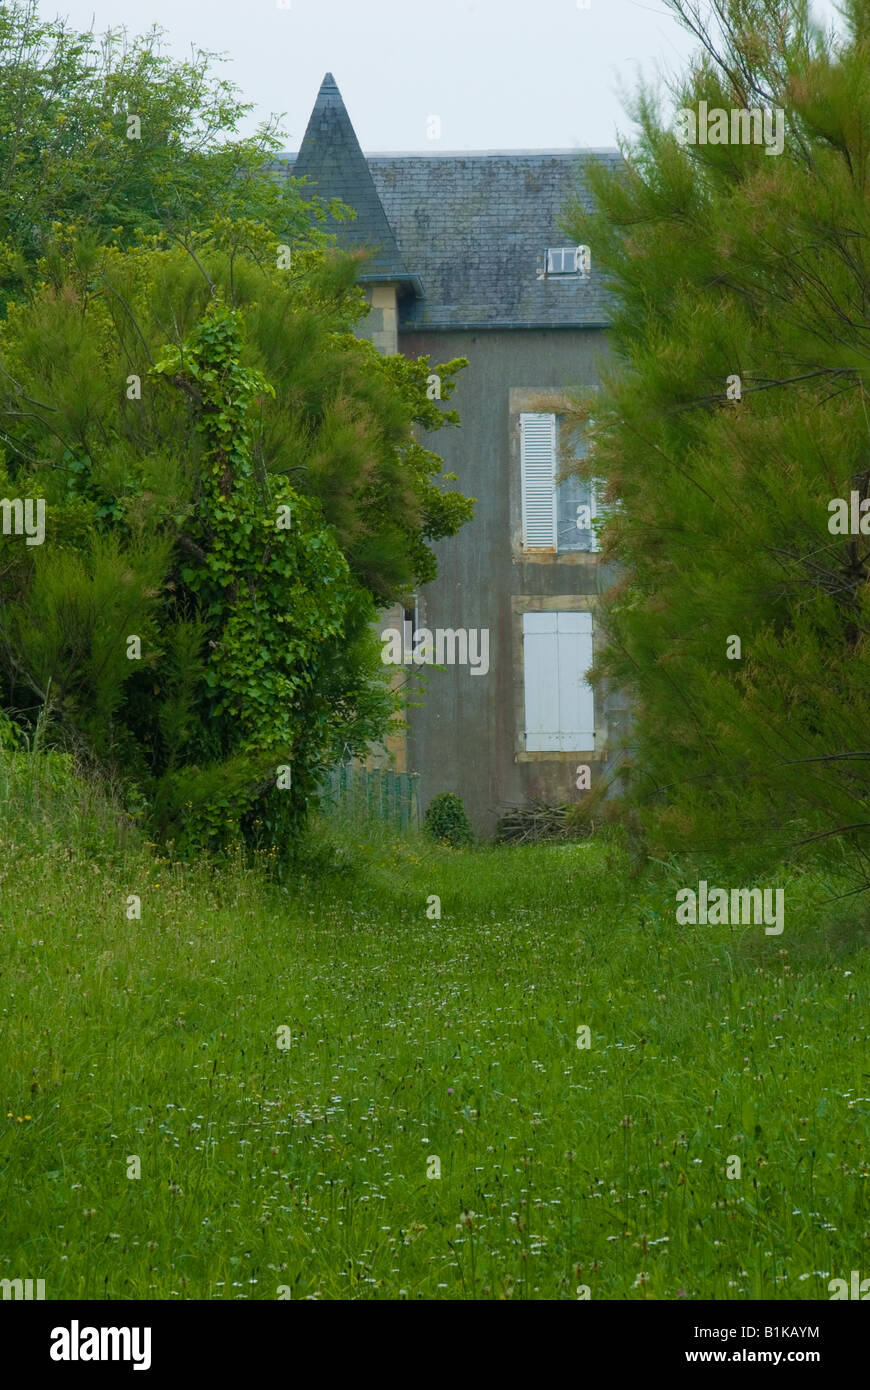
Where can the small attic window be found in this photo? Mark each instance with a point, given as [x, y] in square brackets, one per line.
[564, 261]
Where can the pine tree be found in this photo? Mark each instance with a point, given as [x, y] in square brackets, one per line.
[733, 413]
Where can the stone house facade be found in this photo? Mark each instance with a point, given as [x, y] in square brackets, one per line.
[469, 261]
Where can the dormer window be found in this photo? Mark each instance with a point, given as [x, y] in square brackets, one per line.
[567, 262]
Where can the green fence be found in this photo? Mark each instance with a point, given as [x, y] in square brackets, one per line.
[388, 796]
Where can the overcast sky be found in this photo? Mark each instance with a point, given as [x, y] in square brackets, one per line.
[499, 74]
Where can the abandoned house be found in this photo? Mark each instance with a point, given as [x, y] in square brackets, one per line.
[469, 261]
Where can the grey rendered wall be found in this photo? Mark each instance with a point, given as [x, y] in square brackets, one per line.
[467, 737]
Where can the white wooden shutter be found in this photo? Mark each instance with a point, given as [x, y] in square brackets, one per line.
[540, 665]
[538, 468]
[576, 705]
[557, 653]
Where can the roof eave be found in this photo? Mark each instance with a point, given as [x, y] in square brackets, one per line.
[423, 327]
[394, 278]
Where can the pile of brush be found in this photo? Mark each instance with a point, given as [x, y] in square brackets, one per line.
[536, 821]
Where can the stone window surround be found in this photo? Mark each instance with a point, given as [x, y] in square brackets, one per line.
[520, 400]
[554, 603]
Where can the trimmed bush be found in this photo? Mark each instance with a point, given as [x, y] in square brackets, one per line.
[446, 820]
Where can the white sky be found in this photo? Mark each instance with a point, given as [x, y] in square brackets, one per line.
[500, 74]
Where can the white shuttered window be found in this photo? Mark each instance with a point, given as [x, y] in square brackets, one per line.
[538, 466]
[555, 516]
[557, 653]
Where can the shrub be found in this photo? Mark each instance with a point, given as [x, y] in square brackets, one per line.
[446, 820]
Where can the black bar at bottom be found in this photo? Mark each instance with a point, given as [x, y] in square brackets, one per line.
[240, 1338]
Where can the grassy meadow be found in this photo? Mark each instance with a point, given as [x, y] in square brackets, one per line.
[308, 1170]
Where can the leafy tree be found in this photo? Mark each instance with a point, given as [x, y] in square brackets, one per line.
[113, 136]
[729, 262]
[234, 480]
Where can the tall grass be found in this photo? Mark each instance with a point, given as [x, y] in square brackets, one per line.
[413, 1038]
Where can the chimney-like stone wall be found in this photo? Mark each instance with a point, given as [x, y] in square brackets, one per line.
[381, 326]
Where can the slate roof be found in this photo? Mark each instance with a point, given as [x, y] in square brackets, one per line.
[472, 226]
[330, 154]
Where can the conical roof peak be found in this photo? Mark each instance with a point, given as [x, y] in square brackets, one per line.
[331, 158]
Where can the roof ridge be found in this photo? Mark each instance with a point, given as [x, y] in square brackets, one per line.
[475, 154]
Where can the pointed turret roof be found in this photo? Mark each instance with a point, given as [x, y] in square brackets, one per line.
[330, 156]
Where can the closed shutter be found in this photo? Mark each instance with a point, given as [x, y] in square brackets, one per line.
[557, 653]
[576, 705]
[540, 665]
[538, 467]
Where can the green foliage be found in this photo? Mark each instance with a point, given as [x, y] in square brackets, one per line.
[446, 820]
[279, 599]
[10, 734]
[66, 153]
[724, 261]
[232, 478]
[47, 802]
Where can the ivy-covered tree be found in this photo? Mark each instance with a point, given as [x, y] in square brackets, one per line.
[233, 485]
[732, 416]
